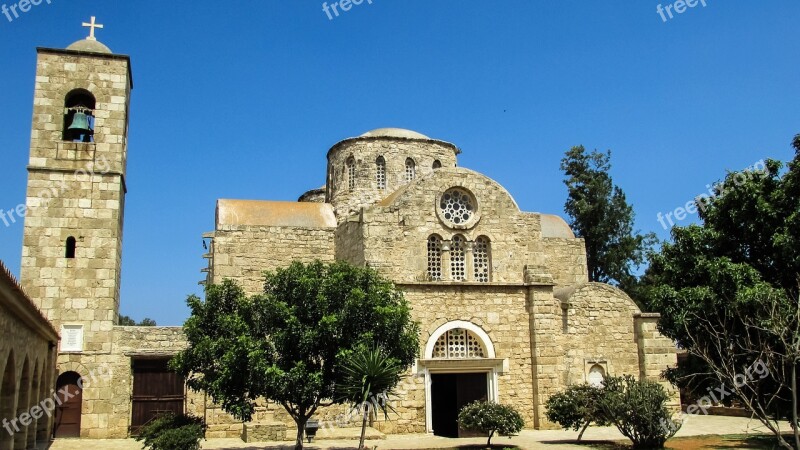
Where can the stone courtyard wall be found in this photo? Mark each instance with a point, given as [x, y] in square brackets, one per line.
[27, 365]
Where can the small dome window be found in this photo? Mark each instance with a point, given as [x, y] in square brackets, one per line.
[411, 169]
[380, 172]
[437, 164]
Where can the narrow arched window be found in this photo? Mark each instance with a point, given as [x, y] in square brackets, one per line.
[79, 106]
[70, 248]
[411, 169]
[437, 164]
[380, 172]
[481, 254]
[351, 172]
[435, 258]
[458, 259]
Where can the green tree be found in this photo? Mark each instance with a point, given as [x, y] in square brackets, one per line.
[491, 418]
[600, 214]
[369, 377]
[127, 321]
[290, 344]
[576, 407]
[638, 409]
[727, 291]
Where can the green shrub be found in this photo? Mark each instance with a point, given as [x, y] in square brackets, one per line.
[577, 407]
[490, 418]
[638, 410]
[172, 432]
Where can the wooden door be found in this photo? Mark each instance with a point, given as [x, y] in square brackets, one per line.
[450, 393]
[68, 413]
[156, 390]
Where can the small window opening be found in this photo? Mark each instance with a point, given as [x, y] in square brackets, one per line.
[411, 169]
[380, 172]
[437, 164]
[79, 107]
[351, 172]
[70, 250]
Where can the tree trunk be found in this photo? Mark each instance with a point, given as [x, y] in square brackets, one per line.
[489, 442]
[794, 405]
[580, 435]
[301, 429]
[364, 426]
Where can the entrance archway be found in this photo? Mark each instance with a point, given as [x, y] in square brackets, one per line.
[8, 394]
[21, 438]
[33, 398]
[68, 413]
[460, 368]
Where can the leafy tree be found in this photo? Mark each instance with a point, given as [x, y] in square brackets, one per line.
[576, 407]
[727, 291]
[490, 418]
[127, 321]
[172, 432]
[290, 344]
[368, 381]
[638, 409]
[600, 214]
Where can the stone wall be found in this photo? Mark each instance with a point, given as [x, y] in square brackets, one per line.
[364, 153]
[565, 260]
[396, 232]
[243, 253]
[27, 367]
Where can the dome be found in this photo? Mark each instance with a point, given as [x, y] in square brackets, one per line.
[394, 133]
[89, 45]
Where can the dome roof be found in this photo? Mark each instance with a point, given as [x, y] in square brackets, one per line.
[89, 45]
[394, 133]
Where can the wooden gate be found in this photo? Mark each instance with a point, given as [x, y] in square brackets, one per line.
[68, 412]
[156, 389]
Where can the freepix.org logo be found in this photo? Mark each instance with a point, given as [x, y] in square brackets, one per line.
[21, 7]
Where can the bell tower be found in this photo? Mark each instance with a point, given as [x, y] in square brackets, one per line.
[72, 245]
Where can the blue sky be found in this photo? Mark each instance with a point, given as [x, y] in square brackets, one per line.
[243, 99]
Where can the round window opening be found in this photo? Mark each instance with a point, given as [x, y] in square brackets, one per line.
[457, 207]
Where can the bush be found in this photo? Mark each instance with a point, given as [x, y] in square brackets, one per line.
[638, 410]
[577, 407]
[172, 432]
[490, 418]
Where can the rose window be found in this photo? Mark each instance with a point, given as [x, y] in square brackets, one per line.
[457, 206]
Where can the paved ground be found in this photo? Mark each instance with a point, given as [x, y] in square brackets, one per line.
[529, 440]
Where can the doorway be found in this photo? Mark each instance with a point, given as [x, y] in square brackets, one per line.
[451, 392]
[156, 390]
[68, 411]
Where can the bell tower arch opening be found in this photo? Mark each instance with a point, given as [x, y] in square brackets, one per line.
[79, 106]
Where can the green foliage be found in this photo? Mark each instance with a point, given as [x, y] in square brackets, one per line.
[491, 418]
[600, 214]
[369, 377]
[127, 321]
[576, 407]
[638, 409]
[737, 272]
[291, 343]
[172, 432]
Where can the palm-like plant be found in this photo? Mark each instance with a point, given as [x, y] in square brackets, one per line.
[369, 377]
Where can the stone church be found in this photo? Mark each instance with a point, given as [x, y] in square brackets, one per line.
[502, 295]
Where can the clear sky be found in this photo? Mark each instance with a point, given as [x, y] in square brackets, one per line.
[242, 99]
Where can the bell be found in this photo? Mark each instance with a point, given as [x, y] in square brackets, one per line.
[80, 123]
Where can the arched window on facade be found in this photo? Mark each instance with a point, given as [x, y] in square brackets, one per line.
[435, 257]
[79, 106]
[458, 260]
[481, 256]
[70, 248]
[437, 164]
[380, 172]
[411, 169]
[596, 375]
[458, 344]
[351, 172]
